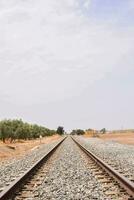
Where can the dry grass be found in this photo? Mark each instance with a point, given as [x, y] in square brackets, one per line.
[22, 147]
[89, 134]
[123, 138]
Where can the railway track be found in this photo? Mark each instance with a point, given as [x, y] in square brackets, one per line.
[127, 186]
[119, 157]
[113, 184]
[8, 192]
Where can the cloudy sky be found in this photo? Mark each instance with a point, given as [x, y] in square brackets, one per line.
[68, 62]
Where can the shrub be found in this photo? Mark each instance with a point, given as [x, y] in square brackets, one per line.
[60, 130]
[78, 132]
[17, 129]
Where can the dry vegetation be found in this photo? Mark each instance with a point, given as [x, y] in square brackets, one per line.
[123, 138]
[22, 147]
[91, 133]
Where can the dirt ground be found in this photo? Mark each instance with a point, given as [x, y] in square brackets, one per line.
[20, 148]
[122, 138]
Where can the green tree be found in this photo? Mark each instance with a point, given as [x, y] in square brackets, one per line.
[17, 129]
[60, 130]
[103, 130]
[6, 130]
[77, 132]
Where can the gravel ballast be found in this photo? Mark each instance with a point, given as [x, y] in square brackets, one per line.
[120, 156]
[69, 177]
[11, 169]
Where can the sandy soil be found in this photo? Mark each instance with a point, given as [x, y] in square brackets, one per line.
[20, 148]
[123, 138]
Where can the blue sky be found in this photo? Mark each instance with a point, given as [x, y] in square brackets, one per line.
[67, 62]
[117, 12]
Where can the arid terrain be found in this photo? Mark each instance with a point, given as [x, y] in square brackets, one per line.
[17, 149]
[123, 138]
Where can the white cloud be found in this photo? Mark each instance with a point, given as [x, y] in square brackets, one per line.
[48, 50]
[87, 4]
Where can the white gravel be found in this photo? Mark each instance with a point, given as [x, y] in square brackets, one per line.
[120, 156]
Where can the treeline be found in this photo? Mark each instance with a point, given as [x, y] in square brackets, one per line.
[77, 132]
[17, 129]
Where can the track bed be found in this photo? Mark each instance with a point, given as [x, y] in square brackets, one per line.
[69, 174]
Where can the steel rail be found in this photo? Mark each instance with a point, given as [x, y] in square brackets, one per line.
[9, 190]
[123, 181]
